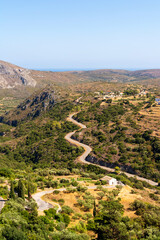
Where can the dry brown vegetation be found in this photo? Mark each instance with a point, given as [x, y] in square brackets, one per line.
[126, 196]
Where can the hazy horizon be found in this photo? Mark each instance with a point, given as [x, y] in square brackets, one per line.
[85, 69]
[92, 34]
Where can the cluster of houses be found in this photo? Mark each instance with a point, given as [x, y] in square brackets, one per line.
[117, 94]
[109, 95]
[113, 95]
[157, 100]
[142, 93]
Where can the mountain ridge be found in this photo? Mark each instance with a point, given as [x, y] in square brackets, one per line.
[12, 76]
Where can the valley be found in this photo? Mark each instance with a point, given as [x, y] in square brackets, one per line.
[65, 139]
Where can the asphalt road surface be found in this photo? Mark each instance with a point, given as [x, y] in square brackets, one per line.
[89, 149]
[2, 202]
[43, 205]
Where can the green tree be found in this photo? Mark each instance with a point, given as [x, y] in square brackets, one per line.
[117, 170]
[12, 194]
[101, 195]
[29, 191]
[21, 189]
[109, 224]
[13, 233]
[94, 209]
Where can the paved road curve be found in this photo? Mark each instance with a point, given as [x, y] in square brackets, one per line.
[89, 149]
[43, 205]
[2, 202]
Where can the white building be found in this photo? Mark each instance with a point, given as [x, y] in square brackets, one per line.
[110, 180]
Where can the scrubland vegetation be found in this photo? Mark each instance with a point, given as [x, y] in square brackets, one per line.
[118, 136]
[34, 156]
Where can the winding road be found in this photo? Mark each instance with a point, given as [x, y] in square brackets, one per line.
[2, 202]
[88, 149]
[43, 205]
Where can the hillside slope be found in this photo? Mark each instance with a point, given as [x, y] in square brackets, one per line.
[30, 108]
[12, 76]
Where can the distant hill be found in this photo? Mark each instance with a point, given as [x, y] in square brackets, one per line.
[12, 76]
[111, 75]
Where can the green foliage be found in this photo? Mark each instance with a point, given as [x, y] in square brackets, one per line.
[67, 210]
[12, 233]
[130, 92]
[81, 188]
[21, 189]
[108, 222]
[67, 235]
[94, 209]
[12, 194]
[50, 213]
[4, 192]
[154, 197]
[4, 172]
[138, 185]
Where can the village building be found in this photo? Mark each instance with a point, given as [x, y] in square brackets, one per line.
[157, 100]
[110, 180]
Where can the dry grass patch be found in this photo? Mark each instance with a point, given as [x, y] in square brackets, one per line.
[127, 198]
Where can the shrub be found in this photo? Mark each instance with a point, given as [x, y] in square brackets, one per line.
[61, 201]
[63, 180]
[50, 213]
[74, 183]
[70, 190]
[56, 192]
[66, 219]
[13, 233]
[138, 185]
[67, 210]
[4, 172]
[81, 189]
[77, 216]
[154, 197]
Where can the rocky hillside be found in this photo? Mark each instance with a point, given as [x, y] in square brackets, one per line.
[12, 76]
[31, 107]
[19, 83]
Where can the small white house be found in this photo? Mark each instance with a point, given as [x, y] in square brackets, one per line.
[110, 180]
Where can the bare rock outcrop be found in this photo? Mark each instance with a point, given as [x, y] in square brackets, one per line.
[32, 107]
[12, 76]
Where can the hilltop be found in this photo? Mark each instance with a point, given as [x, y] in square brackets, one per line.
[17, 83]
[12, 76]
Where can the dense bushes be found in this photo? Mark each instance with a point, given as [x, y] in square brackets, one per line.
[109, 223]
[130, 147]
[19, 221]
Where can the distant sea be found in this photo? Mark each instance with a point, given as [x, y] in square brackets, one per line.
[65, 69]
[83, 69]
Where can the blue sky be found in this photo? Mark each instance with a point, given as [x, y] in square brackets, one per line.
[80, 34]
